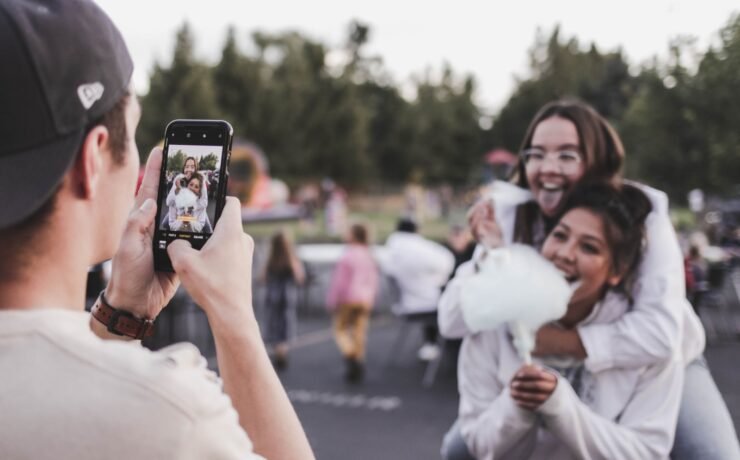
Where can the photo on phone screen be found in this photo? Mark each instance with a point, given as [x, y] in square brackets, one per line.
[192, 184]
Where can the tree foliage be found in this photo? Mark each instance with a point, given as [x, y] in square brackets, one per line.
[320, 112]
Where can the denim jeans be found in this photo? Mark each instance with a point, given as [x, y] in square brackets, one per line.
[705, 430]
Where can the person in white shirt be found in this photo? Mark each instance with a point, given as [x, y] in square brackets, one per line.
[568, 143]
[77, 385]
[420, 268]
[557, 408]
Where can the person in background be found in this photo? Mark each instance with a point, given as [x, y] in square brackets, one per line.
[354, 285]
[420, 267]
[696, 276]
[462, 245]
[282, 270]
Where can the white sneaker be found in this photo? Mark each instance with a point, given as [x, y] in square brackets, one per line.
[428, 352]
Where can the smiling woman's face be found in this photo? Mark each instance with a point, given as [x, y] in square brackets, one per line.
[194, 186]
[189, 167]
[551, 180]
[579, 248]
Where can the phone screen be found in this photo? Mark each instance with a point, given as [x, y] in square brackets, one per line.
[192, 184]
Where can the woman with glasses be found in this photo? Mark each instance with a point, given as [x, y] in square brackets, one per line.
[569, 144]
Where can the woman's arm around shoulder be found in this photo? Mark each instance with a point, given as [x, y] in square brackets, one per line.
[654, 328]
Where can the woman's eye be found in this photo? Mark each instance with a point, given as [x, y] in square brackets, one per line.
[589, 248]
[560, 236]
[533, 155]
[569, 157]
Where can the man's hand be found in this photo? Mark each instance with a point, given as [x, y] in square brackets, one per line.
[219, 276]
[134, 285]
[483, 226]
[532, 386]
[552, 340]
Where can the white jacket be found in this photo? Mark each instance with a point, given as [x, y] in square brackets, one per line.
[618, 413]
[420, 267]
[661, 319]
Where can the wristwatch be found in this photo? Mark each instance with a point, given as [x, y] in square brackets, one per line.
[121, 322]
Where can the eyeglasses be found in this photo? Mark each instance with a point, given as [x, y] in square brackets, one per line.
[567, 161]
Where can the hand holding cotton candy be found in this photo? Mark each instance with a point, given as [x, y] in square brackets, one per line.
[515, 285]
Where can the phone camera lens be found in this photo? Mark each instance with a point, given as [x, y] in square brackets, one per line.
[204, 136]
[187, 135]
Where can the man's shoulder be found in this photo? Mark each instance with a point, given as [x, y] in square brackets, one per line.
[177, 376]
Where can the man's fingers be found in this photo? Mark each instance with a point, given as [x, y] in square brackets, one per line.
[183, 256]
[150, 182]
[142, 217]
[230, 222]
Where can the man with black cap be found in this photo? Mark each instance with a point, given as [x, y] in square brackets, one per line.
[80, 386]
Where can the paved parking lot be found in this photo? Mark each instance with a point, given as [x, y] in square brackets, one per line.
[392, 415]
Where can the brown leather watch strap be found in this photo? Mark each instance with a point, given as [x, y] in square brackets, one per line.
[121, 322]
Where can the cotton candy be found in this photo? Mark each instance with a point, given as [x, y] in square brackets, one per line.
[515, 285]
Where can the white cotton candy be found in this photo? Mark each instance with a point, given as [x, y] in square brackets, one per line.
[515, 285]
[185, 199]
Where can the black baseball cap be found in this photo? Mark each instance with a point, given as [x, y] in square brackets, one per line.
[64, 65]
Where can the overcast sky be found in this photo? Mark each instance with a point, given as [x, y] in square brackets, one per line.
[486, 38]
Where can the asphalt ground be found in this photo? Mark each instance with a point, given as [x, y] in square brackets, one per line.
[391, 415]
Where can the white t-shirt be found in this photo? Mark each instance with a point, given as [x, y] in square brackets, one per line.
[67, 394]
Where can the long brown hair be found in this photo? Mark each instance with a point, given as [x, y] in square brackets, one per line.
[601, 147]
[599, 144]
[281, 255]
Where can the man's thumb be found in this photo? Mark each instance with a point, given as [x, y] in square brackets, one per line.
[181, 254]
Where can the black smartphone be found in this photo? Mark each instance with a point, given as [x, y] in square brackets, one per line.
[192, 184]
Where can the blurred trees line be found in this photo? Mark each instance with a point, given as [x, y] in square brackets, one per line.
[318, 112]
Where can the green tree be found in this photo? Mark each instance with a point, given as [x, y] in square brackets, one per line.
[176, 162]
[208, 162]
[182, 90]
[562, 68]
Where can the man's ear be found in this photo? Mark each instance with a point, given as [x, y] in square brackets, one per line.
[90, 163]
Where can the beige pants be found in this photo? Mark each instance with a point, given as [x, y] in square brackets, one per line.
[350, 330]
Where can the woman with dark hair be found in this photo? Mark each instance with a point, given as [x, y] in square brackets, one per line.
[283, 268]
[557, 408]
[568, 144]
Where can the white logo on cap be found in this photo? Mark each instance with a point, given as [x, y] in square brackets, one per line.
[89, 93]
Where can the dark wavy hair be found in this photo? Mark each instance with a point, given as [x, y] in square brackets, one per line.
[623, 210]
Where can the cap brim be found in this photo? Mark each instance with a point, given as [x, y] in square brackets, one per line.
[28, 178]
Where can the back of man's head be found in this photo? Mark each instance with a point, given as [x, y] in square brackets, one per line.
[66, 69]
[406, 225]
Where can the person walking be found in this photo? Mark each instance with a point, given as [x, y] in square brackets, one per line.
[352, 292]
[282, 270]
